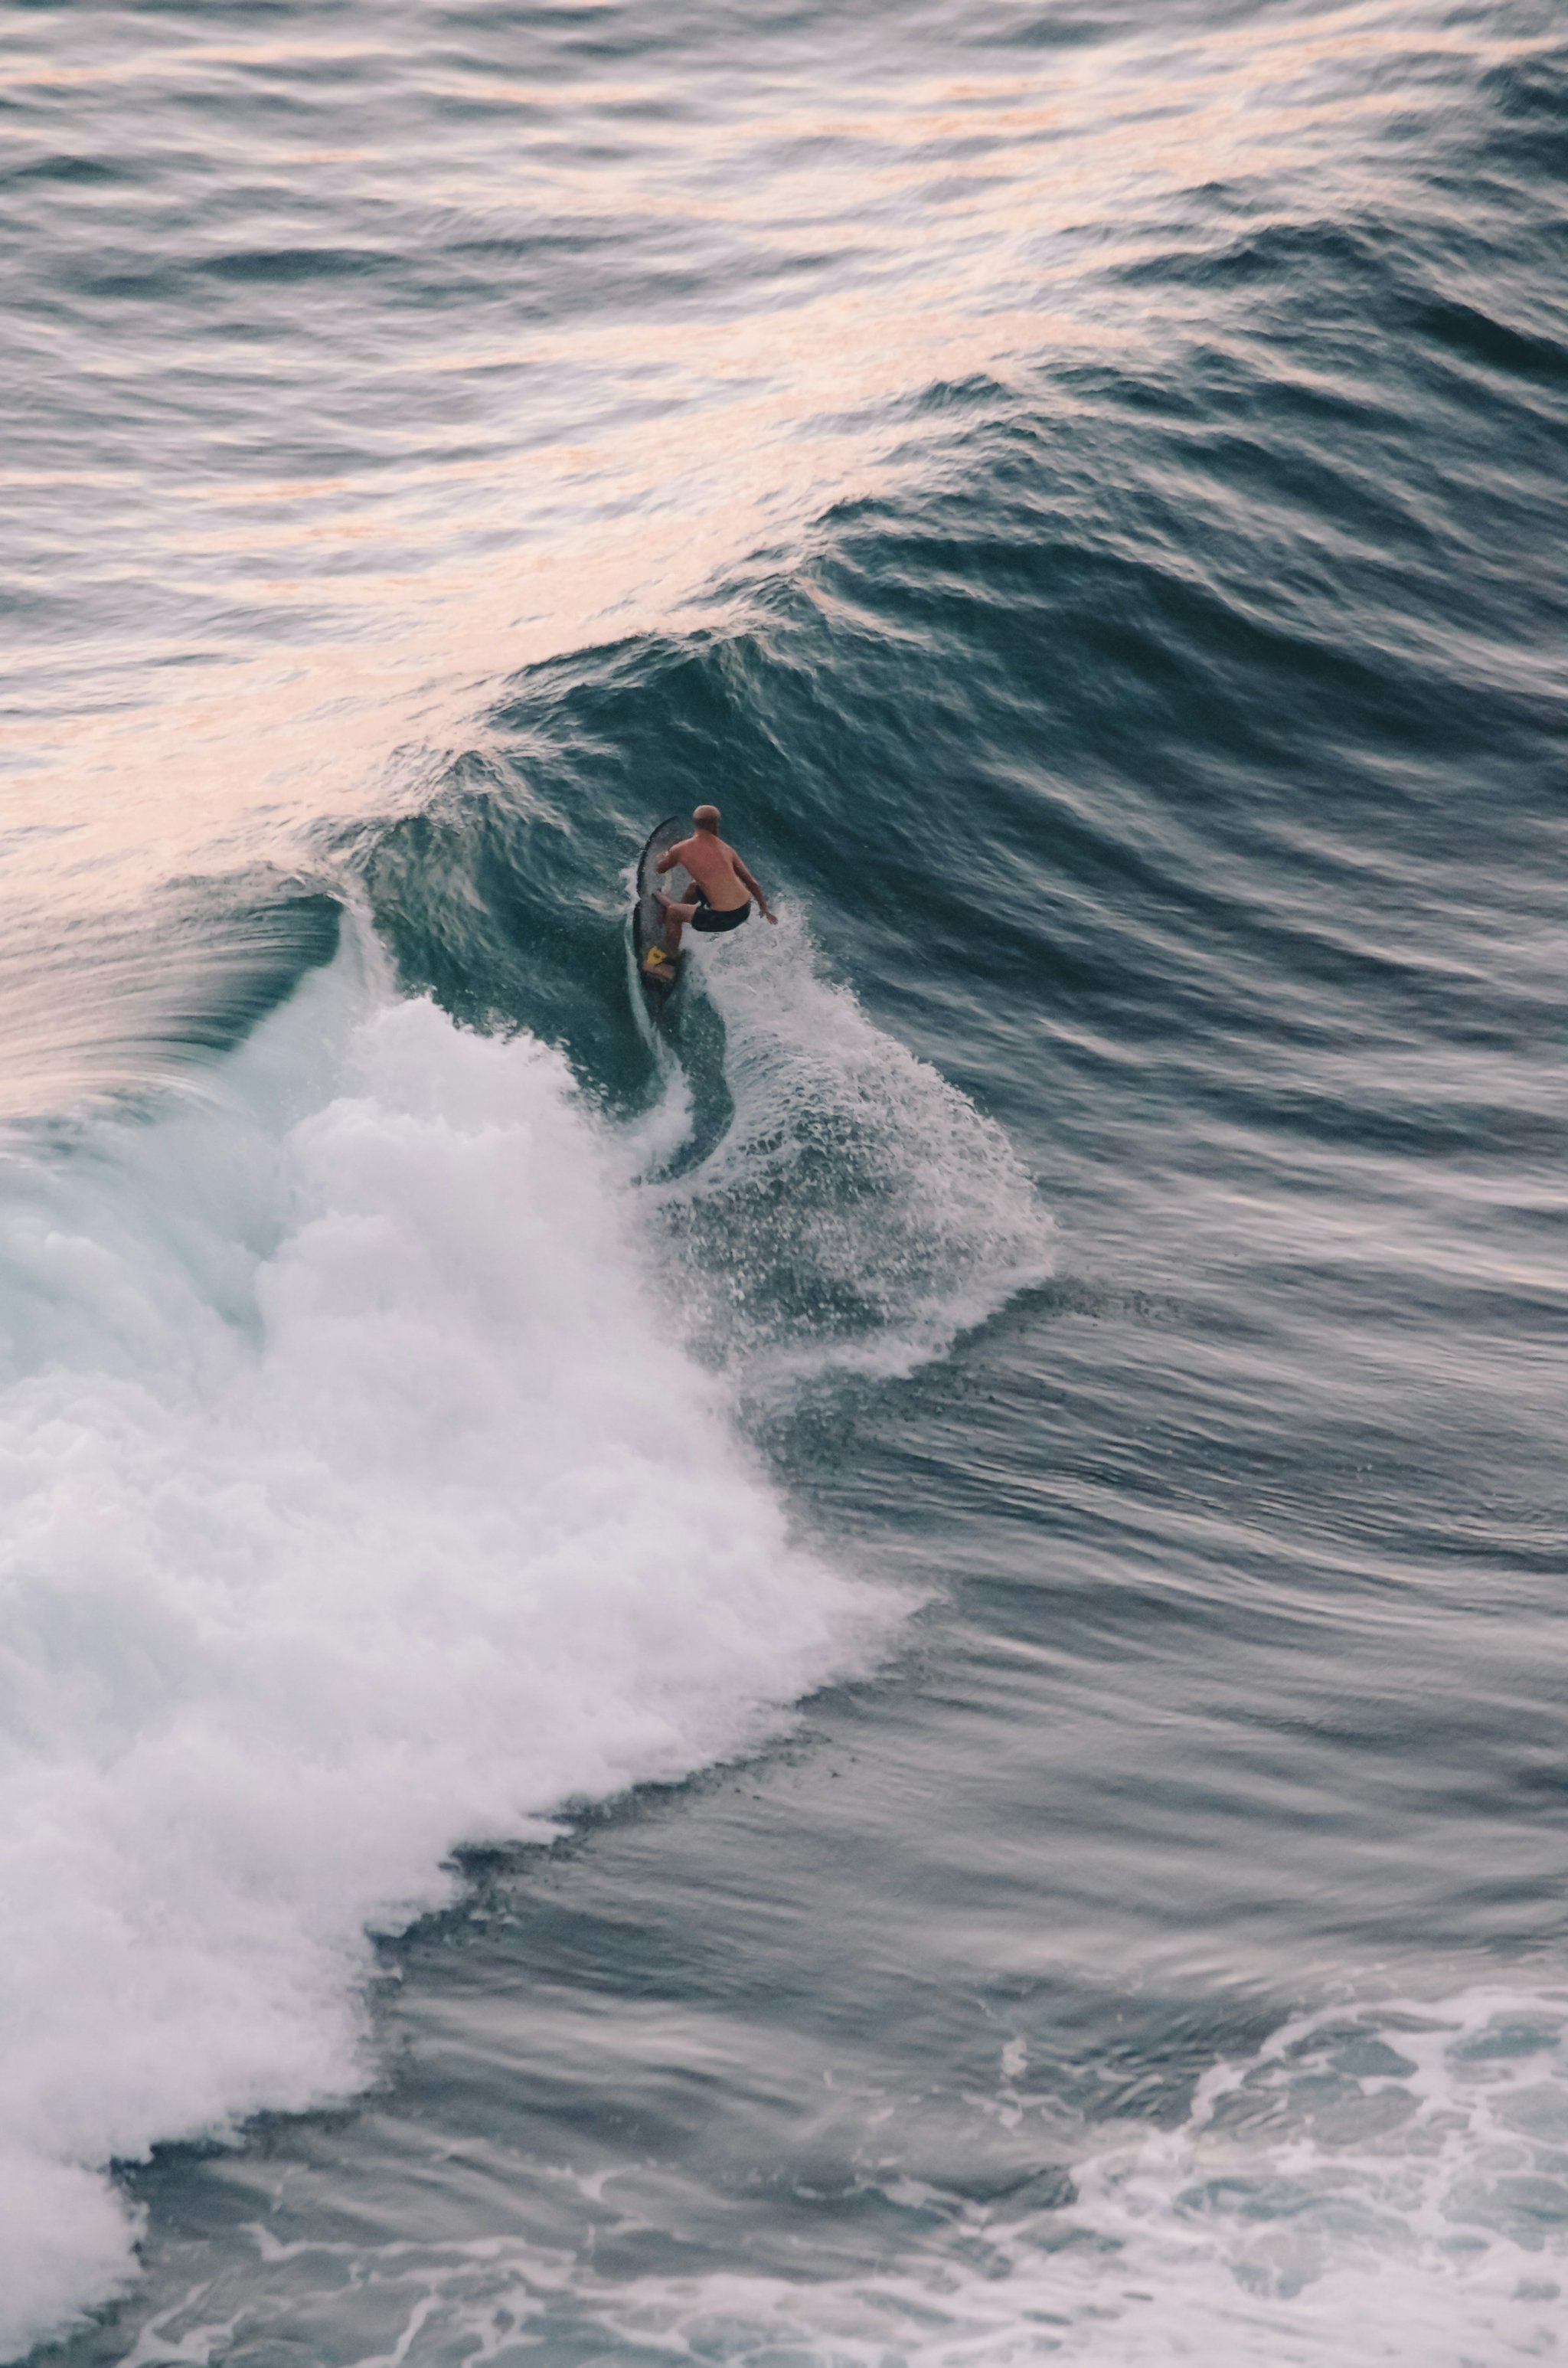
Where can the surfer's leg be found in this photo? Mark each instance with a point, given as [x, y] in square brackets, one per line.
[676, 917]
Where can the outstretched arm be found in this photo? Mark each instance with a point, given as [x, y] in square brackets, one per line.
[670, 858]
[746, 880]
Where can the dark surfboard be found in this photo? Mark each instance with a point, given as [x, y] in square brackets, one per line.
[648, 923]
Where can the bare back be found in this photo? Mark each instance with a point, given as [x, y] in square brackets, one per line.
[712, 865]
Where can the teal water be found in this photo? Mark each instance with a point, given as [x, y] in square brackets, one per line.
[881, 1683]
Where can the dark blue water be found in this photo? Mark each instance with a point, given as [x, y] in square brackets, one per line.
[881, 1681]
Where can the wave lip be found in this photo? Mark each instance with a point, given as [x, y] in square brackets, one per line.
[362, 1506]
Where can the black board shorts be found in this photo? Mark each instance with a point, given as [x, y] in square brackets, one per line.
[713, 924]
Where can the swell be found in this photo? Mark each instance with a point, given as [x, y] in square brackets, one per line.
[1150, 717]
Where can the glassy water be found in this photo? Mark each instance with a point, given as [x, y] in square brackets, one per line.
[881, 1683]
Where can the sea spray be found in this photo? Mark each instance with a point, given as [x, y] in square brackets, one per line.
[857, 1212]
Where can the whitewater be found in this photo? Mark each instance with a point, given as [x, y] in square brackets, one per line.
[368, 1500]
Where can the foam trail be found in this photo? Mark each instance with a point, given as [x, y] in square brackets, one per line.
[859, 1212]
[333, 1420]
[1381, 2186]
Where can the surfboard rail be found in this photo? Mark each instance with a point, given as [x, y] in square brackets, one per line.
[658, 984]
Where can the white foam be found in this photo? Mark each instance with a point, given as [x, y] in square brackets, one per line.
[859, 1212]
[336, 1430]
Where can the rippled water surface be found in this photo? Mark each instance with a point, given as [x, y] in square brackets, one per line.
[879, 1680]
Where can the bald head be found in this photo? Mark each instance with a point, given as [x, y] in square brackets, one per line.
[705, 818]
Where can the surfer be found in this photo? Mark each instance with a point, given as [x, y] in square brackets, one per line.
[722, 888]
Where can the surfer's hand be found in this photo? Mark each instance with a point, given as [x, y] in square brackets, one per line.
[769, 915]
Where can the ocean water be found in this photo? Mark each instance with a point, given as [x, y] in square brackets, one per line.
[880, 1684]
